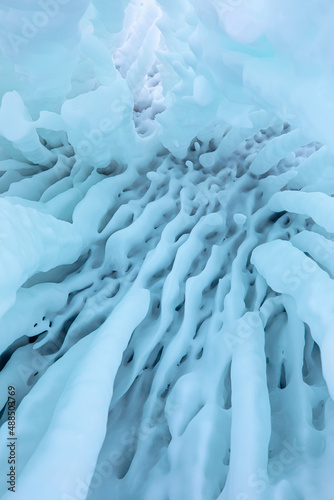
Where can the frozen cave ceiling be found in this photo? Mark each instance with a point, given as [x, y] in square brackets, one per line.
[166, 257]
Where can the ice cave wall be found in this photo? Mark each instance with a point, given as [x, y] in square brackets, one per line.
[166, 248]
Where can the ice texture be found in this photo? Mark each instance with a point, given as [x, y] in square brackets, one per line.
[167, 250]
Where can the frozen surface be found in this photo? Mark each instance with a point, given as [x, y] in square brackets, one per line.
[166, 248]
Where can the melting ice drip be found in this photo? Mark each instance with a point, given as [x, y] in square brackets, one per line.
[166, 252]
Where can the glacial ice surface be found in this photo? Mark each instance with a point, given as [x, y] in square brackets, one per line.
[166, 258]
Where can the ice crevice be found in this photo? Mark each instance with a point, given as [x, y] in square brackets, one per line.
[166, 229]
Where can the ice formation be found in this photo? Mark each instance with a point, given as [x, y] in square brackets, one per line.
[167, 268]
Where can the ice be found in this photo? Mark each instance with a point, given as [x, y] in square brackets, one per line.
[61, 429]
[166, 257]
[300, 277]
[17, 127]
[26, 252]
[316, 205]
